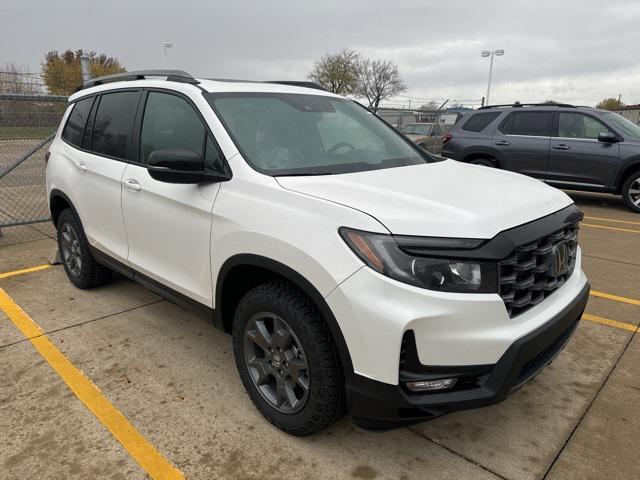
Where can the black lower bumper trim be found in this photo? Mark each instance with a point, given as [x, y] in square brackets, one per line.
[380, 406]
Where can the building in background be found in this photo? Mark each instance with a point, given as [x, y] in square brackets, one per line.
[630, 112]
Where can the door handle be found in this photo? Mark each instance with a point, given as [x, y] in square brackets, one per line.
[561, 146]
[132, 184]
[503, 143]
[82, 167]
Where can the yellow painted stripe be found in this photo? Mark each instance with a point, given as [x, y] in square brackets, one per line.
[25, 270]
[610, 228]
[138, 447]
[608, 296]
[604, 219]
[610, 323]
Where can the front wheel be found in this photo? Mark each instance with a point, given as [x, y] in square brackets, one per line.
[631, 192]
[287, 359]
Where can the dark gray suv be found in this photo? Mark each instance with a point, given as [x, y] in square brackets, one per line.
[576, 148]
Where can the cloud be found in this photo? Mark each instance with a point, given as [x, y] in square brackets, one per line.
[569, 51]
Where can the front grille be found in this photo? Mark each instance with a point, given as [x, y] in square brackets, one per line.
[528, 276]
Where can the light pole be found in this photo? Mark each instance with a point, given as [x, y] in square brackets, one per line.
[491, 53]
[164, 51]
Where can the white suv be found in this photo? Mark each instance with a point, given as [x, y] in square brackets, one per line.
[353, 270]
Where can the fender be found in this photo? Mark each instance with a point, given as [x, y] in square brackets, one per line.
[623, 170]
[60, 194]
[481, 150]
[301, 282]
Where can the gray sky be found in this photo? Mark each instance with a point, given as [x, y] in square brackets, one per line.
[574, 51]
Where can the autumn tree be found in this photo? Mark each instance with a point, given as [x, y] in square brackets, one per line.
[62, 74]
[610, 104]
[336, 72]
[377, 81]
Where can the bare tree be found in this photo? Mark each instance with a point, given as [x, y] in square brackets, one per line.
[16, 79]
[378, 80]
[337, 72]
[430, 106]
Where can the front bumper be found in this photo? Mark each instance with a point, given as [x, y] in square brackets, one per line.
[378, 405]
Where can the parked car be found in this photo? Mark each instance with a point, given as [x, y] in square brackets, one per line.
[353, 269]
[576, 148]
[426, 135]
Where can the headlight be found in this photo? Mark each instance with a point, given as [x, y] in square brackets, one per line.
[383, 253]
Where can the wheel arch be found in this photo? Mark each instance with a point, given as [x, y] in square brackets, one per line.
[469, 157]
[631, 167]
[242, 272]
[59, 201]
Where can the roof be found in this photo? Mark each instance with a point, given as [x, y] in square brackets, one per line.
[182, 81]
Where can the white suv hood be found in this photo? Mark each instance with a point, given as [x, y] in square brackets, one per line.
[442, 199]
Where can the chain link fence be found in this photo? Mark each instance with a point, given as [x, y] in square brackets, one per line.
[27, 126]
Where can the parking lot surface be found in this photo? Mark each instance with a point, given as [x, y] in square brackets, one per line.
[161, 397]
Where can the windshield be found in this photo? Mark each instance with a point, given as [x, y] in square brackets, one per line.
[416, 129]
[622, 124]
[293, 134]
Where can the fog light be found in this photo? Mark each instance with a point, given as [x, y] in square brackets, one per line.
[430, 385]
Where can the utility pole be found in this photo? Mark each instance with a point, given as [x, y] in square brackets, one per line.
[165, 45]
[491, 53]
[86, 68]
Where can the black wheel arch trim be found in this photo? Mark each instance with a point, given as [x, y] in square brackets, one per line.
[60, 194]
[298, 280]
[631, 165]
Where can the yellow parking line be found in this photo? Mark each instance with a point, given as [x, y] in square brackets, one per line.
[609, 228]
[608, 296]
[25, 270]
[612, 220]
[610, 323]
[138, 447]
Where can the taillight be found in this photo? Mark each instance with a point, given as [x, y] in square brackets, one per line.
[447, 136]
[46, 157]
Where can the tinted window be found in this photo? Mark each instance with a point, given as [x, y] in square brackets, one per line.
[577, 125]
[74, 128]
[536, 124]
[480, 121]
[212, 158]
[114, 123]
[169, 122]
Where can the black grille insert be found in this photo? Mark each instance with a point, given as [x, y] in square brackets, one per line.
[528, 275]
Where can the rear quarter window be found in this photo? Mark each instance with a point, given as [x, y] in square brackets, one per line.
[74, 129]
[480, 121]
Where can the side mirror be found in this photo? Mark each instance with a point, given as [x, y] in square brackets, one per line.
[180, 166]
[608, 137]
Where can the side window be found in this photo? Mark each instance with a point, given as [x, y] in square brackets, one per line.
[114, 123]
[169, 122]
[533, 124]
[74, 129]
[480, 121]
[577, 125]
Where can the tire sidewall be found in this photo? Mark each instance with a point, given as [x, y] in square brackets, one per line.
[625, 191]
[252, 304]
[85, 278]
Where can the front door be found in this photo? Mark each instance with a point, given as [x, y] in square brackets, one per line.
[169, 225]
[577, 158]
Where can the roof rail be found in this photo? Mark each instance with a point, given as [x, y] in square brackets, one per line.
[298, 83]
[518, 104]
[172, 76]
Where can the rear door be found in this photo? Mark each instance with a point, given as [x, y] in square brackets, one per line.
[169, 225]
[577, 158]
[522, 142]
[100, 162]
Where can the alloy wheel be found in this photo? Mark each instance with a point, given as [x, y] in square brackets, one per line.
[276, 362]
[634, 192]
[71, 252]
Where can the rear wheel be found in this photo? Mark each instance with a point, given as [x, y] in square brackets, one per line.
[287, 360]
[631, 192]
[82, 269]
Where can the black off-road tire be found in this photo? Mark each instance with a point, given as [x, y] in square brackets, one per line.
[633, 180]
[326, 401]
[90, 274]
